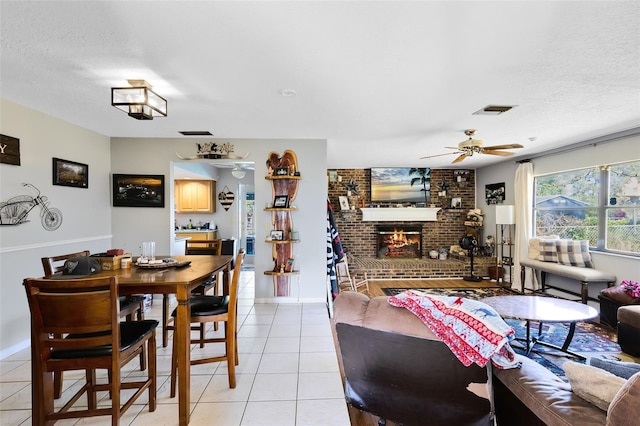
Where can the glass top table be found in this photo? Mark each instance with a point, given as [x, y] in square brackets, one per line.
[543, 309]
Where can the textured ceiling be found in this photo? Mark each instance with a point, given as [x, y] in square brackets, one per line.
[384, 82]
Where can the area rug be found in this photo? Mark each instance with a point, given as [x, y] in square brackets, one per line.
[590, 339]
[469, 293]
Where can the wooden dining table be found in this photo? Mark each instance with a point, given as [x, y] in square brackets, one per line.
[173, 280]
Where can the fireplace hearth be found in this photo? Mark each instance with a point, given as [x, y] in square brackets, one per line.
[399, 242]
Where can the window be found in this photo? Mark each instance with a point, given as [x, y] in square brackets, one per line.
[599, 204]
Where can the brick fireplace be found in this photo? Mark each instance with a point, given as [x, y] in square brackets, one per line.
[360, 238]
[399, 242]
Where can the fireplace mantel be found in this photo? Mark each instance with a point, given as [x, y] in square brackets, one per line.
[413, 214]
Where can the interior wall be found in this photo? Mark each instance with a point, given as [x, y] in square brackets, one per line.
[616, 151]
[155, 156]
[86, 212]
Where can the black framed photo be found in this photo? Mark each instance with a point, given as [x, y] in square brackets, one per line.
[70, 173]
[281, 201]
[276, 235]
[281, 171]
[138, 190]
[494, 193]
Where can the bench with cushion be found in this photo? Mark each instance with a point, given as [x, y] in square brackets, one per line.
[565, 258]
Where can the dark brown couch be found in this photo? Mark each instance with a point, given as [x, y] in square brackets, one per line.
[395, 368]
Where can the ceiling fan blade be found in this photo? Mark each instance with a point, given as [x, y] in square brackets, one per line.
[509, 146]
[496, 152]
[459, 158]
[439, 155]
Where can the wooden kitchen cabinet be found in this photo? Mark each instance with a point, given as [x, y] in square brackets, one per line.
[195, 196]
[198, 236]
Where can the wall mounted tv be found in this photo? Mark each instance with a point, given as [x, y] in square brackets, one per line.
[393, 184]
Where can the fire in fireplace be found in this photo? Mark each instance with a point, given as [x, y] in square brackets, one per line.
[403, 242]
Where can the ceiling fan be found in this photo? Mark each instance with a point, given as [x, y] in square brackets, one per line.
[472, 146]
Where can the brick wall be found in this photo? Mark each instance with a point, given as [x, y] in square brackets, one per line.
[359, 238]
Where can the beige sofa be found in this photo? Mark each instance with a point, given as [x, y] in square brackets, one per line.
[393, 364]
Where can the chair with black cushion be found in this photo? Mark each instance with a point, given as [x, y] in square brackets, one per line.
[76, 325]
[206, 309]
[193, 247]
[129, 305]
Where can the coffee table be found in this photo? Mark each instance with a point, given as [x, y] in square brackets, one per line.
[543, 309]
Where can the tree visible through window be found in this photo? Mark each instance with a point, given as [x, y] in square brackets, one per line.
[599, 204]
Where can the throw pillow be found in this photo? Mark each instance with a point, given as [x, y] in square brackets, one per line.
[624, 409]
[574, 253]
[618, 368]
[548, 251]
[592, 384]
[534, 245]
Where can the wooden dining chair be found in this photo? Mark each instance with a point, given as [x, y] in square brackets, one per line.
[193, 247]
[76, 326]
[206, 309]
[131, 307]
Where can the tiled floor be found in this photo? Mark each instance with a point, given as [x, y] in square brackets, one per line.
[288, 374]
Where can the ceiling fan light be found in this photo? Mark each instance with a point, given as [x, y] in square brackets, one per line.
[238, 173]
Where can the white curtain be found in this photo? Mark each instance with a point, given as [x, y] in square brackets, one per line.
[524, 223]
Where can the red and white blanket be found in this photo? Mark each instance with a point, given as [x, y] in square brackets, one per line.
[471, 329]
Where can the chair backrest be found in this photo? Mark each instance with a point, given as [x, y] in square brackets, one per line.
[235, 281]
[87, 306]
[210, 247]
[343, 276]
[54, 264]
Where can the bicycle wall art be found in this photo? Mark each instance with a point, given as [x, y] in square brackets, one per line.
[15, 211]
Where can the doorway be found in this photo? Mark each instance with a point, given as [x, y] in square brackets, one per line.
[246, 222]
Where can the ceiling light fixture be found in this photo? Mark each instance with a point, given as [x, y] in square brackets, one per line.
[139, 101]
[238, 173]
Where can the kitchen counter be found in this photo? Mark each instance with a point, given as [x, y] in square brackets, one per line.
[198, 234]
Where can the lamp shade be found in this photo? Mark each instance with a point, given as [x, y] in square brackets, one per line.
[139, 101]
[505, 215]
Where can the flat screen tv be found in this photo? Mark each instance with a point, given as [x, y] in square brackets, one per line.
[393, 184]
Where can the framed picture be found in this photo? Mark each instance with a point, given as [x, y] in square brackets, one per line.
[276, 235]
[288, 267]
[344, 202]
[281, 171]
[461, 175]
[70, 173]
[456, 203]
[281, 201]
[333, 175]
[138, 190]
[494, 193]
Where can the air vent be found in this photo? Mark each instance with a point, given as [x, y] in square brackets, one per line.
[196, 133]
[494, 109]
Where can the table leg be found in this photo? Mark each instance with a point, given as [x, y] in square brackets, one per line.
[182, 333]
[565, 346]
